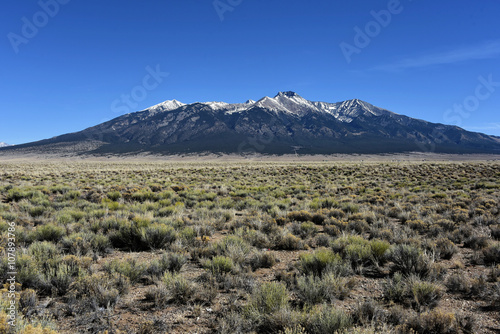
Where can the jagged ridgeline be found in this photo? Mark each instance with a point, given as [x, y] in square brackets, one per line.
[284, 124]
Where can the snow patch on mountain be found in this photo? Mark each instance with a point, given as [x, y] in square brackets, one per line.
[289, 103]
[165, 106]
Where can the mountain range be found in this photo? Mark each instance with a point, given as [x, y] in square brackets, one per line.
[284, 124]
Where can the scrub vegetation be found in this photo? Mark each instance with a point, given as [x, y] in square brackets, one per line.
[252, 247]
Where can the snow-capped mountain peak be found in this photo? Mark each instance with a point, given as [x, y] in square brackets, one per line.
[355, 108]
[294, 103]
[165, 106]
[227, 108]
[2, 144]
[272, 104]
[287, 102]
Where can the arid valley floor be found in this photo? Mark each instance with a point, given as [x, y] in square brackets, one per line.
[149, 246]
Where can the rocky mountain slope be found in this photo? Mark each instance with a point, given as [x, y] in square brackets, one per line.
[284, 124]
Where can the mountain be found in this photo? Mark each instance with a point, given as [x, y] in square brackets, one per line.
[284, 124]
[2, 144]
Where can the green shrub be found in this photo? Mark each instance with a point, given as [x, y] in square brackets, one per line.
[332, 230]
[72, 195]
[304, 230]
[27, 272]
[15, 195]
[495, 296]
[417, 225]
[43, 251]
[336, 213]
[310, 290]
[491, 254]
[360, 252]
[316, 263]
[340, 244]
[266, 299]
[143, 196]
[446, 225]
[445, 248]
[166, 211]
[234, 247]
[99, 243]
[111, 205]
[476, 242]
[494, 274]
[99, 288]
[114, 195]
[28, 300]
[358, 226]
[60, 277]
[395, 289]
[48, 232]
[289, 242]
[64, 218]
[18, 194]
[313, 289]
[369, 312]
[37, 211]
[379, 250]
[188, 234]
[219, 265]
[172, 262]
[179, 288]
[325, 203]
[158, 294]
[433, 322]
[327, 319]
[76, 214]
[322, 240]
[129, 268]
[300, 216]
[350, 208]
[359, 255]
[458, 283]
[158, 236]
[233, 322]
[318, 218]
[258, 239]
[262, 260]
[409, 260]
[129, 235]
[425, 293]
[85, 243]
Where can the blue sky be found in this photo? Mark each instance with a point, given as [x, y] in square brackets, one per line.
[66, 64]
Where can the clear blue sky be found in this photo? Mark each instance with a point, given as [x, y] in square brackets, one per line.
[420, 58]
